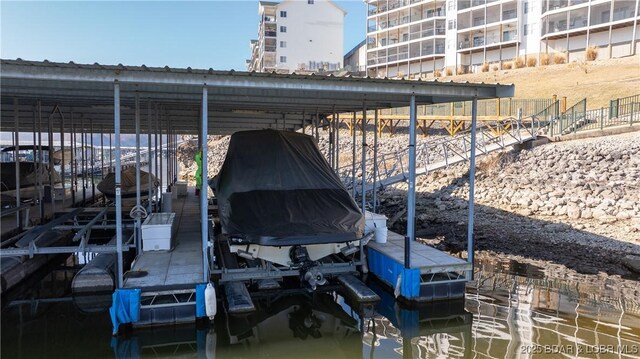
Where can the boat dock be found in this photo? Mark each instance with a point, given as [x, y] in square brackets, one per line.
[178, 280]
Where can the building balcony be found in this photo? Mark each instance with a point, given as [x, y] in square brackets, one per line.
[406, 37]
[270, 33]
[479, 43]
[404, 57]
[466, 4]
[497, 23]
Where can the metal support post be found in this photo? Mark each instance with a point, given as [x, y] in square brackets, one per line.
[169, 153]
[472, 179]
[82, 158]
[116, 125]
[204, 205]
[101, 152]
[137, 234]
[62, 164]
[375, 161]
[337, 140]
[149, 154]
[411, 193]
[51, 168]
[93, 162]
[156, 157]
[317, 125]
[74, 167]
[35, 149]
[161, 154]
[40, 160]
[332, 139]
[353, 156]
[364, 157]
[16, 158]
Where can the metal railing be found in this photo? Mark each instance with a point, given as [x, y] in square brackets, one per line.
[570, 120]
[439, 153]
[622, 111]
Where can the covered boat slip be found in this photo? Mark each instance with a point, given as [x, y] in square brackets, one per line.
[144, 100]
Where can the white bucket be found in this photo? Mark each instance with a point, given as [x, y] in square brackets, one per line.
[380, 235]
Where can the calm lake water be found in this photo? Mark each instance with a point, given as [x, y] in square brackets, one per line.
[510, 311]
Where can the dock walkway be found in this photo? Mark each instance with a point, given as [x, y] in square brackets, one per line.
[180, 267]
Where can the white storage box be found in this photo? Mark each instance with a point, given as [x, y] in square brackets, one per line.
[181, 189]
[376, 223]
[157, 231]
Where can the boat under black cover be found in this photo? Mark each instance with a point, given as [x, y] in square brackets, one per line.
[275, 188]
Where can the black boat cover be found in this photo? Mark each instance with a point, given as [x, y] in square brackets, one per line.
[275, 188]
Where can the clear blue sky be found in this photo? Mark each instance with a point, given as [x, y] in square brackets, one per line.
[199, 34]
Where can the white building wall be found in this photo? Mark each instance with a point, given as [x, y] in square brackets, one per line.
[450, 52]
[530, 39]
[315, 32]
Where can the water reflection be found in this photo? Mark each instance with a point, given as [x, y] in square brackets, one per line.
[522, 316]
[440, 329]
[510, 310]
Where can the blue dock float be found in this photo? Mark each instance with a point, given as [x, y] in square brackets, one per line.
[432, 275]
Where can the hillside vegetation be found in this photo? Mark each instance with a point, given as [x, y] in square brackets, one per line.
[599, 81]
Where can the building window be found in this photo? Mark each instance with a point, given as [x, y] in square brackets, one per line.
[452, 24]
[526, 7]
[283, 14]
[310, 2]
[283, 59]
[283, 44]
[526, 29]
[451, 5]
[283, 29]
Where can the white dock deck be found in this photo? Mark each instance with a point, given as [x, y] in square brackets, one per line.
[428, 259]
[180, 267]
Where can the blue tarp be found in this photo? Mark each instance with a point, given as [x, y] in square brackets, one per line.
[125, 307]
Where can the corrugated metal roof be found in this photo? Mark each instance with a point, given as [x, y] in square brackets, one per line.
[237, 99]
[211, 71]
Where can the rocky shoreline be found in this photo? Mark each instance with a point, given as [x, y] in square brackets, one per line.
[569, 207]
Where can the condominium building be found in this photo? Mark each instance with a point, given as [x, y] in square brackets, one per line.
[417, 38]
[298, 36]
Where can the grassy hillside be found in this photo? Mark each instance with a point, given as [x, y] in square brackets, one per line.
[598, 81]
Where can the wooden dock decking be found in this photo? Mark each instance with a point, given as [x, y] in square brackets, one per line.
[177, 268]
